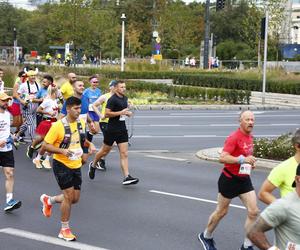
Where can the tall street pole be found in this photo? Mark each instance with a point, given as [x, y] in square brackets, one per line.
[206, 35]
[263, 99]
[123, 18]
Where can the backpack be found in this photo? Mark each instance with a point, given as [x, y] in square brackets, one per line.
[67, 137]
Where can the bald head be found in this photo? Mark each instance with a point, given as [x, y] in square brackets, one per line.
[72, 78]
[247, 121]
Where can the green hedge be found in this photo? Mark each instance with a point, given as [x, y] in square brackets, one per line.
[223, 81]
[197, 93]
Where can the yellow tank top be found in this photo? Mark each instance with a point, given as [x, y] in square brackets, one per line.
[103, 107]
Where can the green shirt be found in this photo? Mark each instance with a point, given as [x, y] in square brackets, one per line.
[283, 215]
[283, 175]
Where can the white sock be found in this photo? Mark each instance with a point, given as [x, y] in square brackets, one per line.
[65, 224]
[51, 200]
[207, 234]
[39, 156]
[9, 196]
[47, 157]
[247, 243]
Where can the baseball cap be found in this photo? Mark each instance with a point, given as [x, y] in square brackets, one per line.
[112, 83]
[31, 73]
[297, 173]
[4, 96]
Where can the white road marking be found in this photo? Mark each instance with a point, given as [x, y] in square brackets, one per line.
[207, 116]
[193, 136]
[166, 158]
[150, 151]
[192, 198]
[48, 239]
[201, 113]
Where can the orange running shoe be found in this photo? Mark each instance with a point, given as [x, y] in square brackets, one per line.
[46, 209]
[66, 234]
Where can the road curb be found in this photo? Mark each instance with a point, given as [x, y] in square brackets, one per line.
[212, 154]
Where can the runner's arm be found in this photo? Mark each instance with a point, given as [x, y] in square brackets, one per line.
[54, 150]
[256, 233]
[109, 113]
[265, 192]
[225, 157]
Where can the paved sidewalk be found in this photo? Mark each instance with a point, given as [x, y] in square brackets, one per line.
[213, 154]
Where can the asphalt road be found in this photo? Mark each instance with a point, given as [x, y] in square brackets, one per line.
[169, 206]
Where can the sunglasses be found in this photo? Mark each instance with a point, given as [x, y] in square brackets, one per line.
[95, 82]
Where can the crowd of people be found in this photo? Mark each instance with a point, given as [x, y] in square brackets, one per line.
[61, 122]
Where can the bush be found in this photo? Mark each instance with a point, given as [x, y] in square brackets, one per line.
[280, 148]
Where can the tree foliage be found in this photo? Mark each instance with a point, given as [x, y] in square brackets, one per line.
[95, 26]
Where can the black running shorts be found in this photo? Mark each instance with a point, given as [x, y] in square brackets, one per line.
[7, 159]
[67, 177]
[103, 127]
[231, 187]
[118, 137]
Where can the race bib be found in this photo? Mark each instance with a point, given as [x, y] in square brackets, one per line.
[91, 107]
[122, 117]
[292, 246]
[245, 169]
[83, 117]
[77, 153]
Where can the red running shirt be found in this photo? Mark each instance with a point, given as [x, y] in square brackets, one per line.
[237, 144]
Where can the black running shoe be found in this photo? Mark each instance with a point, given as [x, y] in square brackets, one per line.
[101, 165]
[129, 180]
[30, 151]
[91, 171]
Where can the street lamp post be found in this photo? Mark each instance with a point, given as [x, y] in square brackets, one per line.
[206, 36]
[123, 18]
[15, 46]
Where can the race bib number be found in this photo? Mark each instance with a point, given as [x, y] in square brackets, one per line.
[245, 169]
[122, 117]
[77, 153]
[292, 246]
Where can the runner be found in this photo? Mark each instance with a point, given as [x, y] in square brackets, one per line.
[102, 101]
[49, 110]
[93, 93]
[284, 217]
[116, 110]
[235, 180]
[282, 176]
[7, 154]
[65, 139]
[15, 108]
[67, 88]
[29, 104]
[78, 92]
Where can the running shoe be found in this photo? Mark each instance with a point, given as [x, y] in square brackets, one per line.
[92, 170]
[46, 164]
[248, 248]
[208, 244]
[129, 180]
[101, 165]
[30, 151]
[37, 163]
[66, 234]
[12, 205]
[46, 209]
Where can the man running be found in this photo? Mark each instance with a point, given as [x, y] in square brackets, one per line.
[67, 88]
[116, 110]
[7, 154]
[65, 140]
[282, 176]
[283, 216]
[102, 101]
[235, 180]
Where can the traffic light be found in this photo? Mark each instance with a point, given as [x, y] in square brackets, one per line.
[220, 4]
